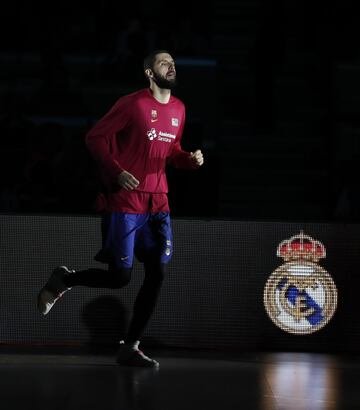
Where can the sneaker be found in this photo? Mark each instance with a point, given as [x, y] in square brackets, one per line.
[130, 355]
[53, 290]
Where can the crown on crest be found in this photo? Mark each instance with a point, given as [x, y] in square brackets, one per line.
[301, 247]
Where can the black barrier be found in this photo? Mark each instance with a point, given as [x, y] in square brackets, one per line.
[216, 294]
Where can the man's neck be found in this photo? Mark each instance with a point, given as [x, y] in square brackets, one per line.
[160, 94]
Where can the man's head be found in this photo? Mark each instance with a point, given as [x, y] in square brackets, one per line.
[159, 67]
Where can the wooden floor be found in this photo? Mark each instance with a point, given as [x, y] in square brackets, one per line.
[186, 380]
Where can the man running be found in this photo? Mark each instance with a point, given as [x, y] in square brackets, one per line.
[132, 144]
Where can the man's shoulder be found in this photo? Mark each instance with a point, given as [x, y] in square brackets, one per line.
[136, 95]
[176, 101]
[128, 101]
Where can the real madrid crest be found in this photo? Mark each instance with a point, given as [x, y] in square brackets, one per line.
[300, 296]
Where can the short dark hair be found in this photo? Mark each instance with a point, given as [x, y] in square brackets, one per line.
[150, 59]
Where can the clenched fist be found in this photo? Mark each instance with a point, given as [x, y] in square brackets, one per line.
[197, 158]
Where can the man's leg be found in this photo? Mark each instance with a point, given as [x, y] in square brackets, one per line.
[146, 300]
[62, 279]
[154, 248]
[129, 353]
[118, 232]
[113, 278]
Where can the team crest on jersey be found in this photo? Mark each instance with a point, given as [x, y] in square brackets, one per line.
[154, 116]
[174, 122]
[300, 296]
[151, 134]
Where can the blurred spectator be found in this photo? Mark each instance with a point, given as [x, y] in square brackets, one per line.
[347, 206]
[74, 176]
[268, 56]
[131, 44]
[188, 40]
[37, 191]
[16, 130]
[55, 76]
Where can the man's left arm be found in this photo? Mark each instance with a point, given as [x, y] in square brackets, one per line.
[183, 159]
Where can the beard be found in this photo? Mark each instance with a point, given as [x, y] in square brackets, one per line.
[164, 83]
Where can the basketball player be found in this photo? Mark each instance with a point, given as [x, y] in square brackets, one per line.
[131, 145]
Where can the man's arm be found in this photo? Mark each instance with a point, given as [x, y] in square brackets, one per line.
[197, 158]
[102, 135]
[99, 138]
[183, 159]
[127, 181]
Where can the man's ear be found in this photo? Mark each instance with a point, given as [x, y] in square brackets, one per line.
[149, 73]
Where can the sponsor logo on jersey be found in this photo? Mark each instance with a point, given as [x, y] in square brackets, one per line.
[166, 136]
[151, 134]
[162, 136]
[300, 297]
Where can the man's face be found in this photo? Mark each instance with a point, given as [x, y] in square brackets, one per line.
[164, 71]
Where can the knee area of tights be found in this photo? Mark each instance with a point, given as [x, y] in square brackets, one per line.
[156, 275]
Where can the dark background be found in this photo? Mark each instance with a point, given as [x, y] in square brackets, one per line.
[271, 87]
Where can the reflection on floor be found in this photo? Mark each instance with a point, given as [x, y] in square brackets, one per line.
[186, 380]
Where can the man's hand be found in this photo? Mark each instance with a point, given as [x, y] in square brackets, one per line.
[127, 181]
[197, 158]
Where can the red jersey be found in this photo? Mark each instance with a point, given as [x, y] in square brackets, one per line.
[139, 135]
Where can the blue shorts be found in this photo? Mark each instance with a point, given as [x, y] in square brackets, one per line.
[147, 236]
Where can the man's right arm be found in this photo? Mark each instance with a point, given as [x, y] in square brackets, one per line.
[98, 142]
[127, 181]
[102, 135]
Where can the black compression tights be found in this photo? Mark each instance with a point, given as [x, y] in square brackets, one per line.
[116, 278]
